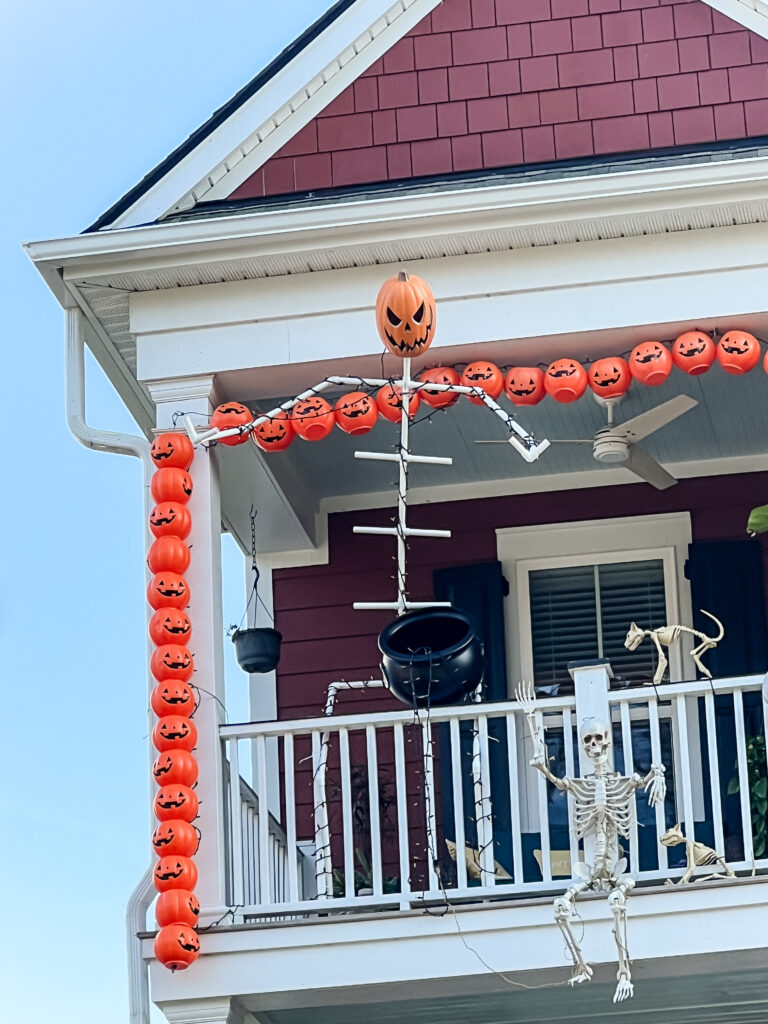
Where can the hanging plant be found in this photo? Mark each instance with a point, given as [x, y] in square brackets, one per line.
[257, 649]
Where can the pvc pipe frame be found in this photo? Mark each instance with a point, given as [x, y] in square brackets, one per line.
[138, 447]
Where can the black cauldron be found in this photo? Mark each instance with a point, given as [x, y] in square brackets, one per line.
[257, 650]
[431, 657]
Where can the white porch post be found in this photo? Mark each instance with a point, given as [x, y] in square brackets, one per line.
[195, 395]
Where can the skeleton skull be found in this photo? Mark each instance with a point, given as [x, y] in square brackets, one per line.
[596, 738]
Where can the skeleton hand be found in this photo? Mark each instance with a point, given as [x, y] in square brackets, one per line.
[655, 785]
[624, 990]
[526, 697]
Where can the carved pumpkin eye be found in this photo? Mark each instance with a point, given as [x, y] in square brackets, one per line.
[418, 316]
[393, 319]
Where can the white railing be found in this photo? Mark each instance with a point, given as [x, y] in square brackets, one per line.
[397, 790]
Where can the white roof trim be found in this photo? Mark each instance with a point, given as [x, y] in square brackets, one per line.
[752, 14]
[278, 111]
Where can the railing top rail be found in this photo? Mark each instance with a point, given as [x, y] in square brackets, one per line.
[694, 688]
[246, 730]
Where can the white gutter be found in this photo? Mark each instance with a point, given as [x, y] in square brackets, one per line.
[120, 444]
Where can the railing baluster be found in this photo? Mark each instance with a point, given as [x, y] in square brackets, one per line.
[458, 804]
[401, 788]
[261, 790]
[514, 799]
[684, 760]
[741, 760]
[714, 771]
[323, 870]
[485, 821]
[543, 794]
[429, 802]
[373, 805]
[661, 826]
[235, 812]
[629, 769]
[290, 819]
[573, 843]
[346, 814]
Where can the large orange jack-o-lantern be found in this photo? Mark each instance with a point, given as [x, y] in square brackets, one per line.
[176, 802]
[274, 434]
[168, 553]
[483, 375]
[650, 363]
[175, 837]
[168, 588]
[738, 352]
[175, 767]
[228, 415]
[524, 385]
[177, 905]
[170, 519]
[171, 485]
[610, 377]
[565, 380]
[405, 315]
[170, 626]
[172, 450]
[172, 697]
[176, 945]
[175, 873]
[693, 352]
[439, 375]
[313, 418]
[174, 731]
[389, 400]
[356, 413]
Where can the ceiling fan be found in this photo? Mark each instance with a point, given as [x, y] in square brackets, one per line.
[617, 442]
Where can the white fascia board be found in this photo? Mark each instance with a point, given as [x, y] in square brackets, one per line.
[386, 218]
[273, 115]
[752, 14]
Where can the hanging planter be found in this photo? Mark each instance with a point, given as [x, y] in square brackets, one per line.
[257, 650]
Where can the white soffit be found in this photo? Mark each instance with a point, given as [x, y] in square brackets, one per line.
[752, 14]
[278, 111]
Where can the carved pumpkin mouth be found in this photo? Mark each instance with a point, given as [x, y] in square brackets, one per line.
[189, 947]
[608, 381]
[165, 876]
[166, 804]
[480, 375]
[175, 734]
[272, 438]
[160, 841]
[522, 392]
[159, 456]
[170, 663]
[177, 629]
[735, 350]
[650, 358]
[159, 770]
[695, 351]
[561, 373]
[163, 520]
[354, 412]
[171, 591]
[230, 410]
[174, 700]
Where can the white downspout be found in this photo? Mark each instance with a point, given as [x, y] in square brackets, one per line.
[138, 447]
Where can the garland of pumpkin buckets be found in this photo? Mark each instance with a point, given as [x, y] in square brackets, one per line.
[176, 839]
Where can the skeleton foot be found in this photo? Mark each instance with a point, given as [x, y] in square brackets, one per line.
[624, 990]
[580, 974]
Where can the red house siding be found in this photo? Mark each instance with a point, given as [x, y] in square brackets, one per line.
[482, 84]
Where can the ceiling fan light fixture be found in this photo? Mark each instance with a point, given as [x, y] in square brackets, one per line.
[611, 449]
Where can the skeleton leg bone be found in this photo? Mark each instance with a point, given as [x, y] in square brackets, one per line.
[662, 665]
[617, 901]
[564, 907]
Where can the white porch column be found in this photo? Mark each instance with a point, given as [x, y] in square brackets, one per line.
[591, 682]
[196, 395]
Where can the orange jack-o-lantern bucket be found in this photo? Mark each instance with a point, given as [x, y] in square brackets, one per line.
[738, 352]
[175, 766]
[175, 873]
[176, 801]
[174, 732]
[170, 626]
[389, 400]
[440, 375]
[171, 485]
[565, 380]
[228, 415]
[274, 434]
[483, 375]
[693, 352]
[175, 837]
[356, 413]
[176, 945]
[650, 363]
[168, 552]
[405, 315]
[524, 385]
[312, 418]
[172, 450]
[177, 905]
[170, 519]
[609, 377]
[172, 696]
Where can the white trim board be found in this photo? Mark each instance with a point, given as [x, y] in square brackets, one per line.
[752, 14]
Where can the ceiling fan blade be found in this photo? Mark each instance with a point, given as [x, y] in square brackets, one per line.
[566, 440]
[642, 465]
[649, 422]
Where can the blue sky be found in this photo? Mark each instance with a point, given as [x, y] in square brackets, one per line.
[95, 95]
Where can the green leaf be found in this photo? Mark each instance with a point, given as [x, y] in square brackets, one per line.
[758, 520]
[733, 786]
[760, 788]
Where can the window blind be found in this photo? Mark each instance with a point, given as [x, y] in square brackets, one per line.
[582, 612]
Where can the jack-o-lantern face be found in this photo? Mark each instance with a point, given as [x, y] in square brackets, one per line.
[176, 946]
[738, 352]
[171, 485]
[483, 375]
[175, 873]
[650, 363]
[609, 378]
[524, 385]
[172, 661]
[356, 413]
[389, 400]
[565, 380]
[405, 315]
[313, 418]
[177, 905]
[175, 838]
[693, 352]
[440, 375]
[175, 767]
[172, 697]
[170, 626]
[228, 415]
[170, 519]
[168, 553]
[172, 450]
[175, 802]
[275, 434]
[168, 588]
[174, 731]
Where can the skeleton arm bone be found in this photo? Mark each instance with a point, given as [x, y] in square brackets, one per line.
[653, 783]
[525, 696]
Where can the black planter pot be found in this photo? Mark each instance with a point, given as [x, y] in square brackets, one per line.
[431, 657]
[257, 650]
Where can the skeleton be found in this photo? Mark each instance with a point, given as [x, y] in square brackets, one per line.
[696, 854]
[667, 635]
[602, 812]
